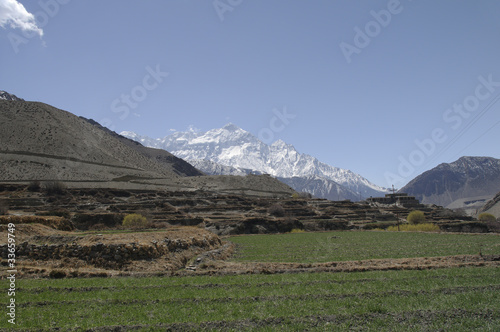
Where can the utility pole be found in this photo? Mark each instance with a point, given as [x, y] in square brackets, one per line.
[393, 197]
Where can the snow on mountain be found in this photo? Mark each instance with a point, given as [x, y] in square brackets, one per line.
[321, 187]
[4, 95]
[237, 148]
[212, 168]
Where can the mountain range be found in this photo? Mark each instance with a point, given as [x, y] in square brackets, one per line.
[232, 150]
[43, 143]
[467, 183]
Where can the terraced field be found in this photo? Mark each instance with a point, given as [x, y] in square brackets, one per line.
[352, 246]
[451, 299]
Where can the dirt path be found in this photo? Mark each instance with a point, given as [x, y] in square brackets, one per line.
[419, 263]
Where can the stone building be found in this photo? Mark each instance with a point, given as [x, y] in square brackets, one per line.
[400, 199]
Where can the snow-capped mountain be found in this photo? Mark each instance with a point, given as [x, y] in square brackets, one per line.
[321, 187]
[235, 147]
[4, 95]
[212, 168]
[315, 185]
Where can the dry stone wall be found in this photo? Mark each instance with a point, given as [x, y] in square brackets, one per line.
[118, 254]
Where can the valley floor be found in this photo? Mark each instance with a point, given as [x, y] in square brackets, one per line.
[297, 286]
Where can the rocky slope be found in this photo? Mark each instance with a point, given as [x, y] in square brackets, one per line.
[466, 183]
[492, 206]
[44, 143]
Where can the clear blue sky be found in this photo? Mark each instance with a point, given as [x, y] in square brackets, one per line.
[357, 103]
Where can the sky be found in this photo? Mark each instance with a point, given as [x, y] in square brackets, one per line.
[387, 89]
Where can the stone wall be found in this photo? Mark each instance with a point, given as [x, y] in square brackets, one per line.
[464, 227]
[111, 254]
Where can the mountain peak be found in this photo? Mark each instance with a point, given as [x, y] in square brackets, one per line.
[468, 179]
[231, 127]
[4, 95]
[279, 143]
[473, 159]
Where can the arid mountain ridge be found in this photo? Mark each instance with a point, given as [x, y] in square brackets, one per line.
[467, 183]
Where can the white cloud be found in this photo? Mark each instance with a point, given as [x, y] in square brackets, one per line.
[14, 15]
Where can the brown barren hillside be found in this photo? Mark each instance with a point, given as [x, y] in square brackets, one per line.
[39, 142]
[44, 143]
[492, 206]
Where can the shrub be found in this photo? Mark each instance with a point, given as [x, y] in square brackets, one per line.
[34, 186]
[135, 220]
[54, 187]
[416, 217]
[425, 227]
[57, 274]
[486, 217]
[302, 194]
[276, 210]
[84, 221]
[297, 230]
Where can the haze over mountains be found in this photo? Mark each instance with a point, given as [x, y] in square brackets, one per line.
[232, 150]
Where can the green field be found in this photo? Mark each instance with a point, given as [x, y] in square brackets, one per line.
[351, 246]
[450, 299]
